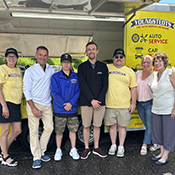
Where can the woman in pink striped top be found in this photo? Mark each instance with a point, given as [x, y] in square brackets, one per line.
[144, 100]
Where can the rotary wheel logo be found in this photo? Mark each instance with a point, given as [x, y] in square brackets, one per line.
[135, 38]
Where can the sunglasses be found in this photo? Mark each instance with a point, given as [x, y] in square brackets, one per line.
[13, 57]
[121, 57]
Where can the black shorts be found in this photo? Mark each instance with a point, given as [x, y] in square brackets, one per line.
[15, 113]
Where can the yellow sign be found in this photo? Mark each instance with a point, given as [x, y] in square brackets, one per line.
[149, 32]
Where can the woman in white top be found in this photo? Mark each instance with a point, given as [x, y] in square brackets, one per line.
[162, 84]
[144, 100]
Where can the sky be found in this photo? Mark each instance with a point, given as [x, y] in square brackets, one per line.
[167, 1]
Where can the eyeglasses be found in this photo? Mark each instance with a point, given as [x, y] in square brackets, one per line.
[13, 57]
[121, 57]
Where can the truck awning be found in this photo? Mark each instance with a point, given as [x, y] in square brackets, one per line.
[97, 8]
[75, 21]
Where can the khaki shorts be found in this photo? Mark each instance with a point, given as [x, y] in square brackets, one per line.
[71, 122]
[121, 116]
[89, 113]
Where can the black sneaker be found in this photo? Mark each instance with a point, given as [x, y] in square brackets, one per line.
[99, 152]
[85, 154]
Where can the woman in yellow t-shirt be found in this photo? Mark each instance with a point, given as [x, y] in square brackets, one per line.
[10, 99]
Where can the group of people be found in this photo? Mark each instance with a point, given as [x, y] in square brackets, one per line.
[102, 92]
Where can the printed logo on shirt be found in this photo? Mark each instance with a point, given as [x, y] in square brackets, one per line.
[14, 75]
[73, 80]
[99, 73]
[116, 72]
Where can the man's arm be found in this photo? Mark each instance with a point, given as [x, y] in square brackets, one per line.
[54, 87]
[86, 90]
[74, 100]
[27, 87]
[34, 110]
[105, 85]
[83, 85]
[76, 95]
[134, 97]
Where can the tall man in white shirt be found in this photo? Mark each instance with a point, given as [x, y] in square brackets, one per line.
[36, 87]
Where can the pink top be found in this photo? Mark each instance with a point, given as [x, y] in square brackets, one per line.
[144, 92]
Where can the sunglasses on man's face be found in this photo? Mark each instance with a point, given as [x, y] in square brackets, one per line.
[121, 57]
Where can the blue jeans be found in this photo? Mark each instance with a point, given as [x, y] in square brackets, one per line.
[144, 110]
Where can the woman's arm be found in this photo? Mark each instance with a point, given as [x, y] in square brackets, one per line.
[5, 111]
[172, 80]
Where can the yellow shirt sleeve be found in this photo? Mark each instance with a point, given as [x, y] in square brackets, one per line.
[133, 82]
[2, 76]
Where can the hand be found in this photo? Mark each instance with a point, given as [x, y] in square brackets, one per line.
[68, 106]
[5, 112]
[36, 112]
[173, 114]
[132, 108]
[96, 104]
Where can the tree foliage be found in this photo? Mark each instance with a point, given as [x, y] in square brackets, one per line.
[52, 61]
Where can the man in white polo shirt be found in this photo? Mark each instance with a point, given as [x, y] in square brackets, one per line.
[36, 87]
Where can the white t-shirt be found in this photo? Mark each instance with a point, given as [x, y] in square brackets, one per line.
[163, 93]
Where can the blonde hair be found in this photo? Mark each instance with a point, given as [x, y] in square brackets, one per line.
[147, 56]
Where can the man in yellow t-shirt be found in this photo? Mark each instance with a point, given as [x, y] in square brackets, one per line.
[121, 88]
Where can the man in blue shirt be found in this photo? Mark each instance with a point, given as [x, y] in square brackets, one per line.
[65, 91]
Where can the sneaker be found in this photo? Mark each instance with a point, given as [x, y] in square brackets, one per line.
[45, 158]
[85, 154]
[120, 152]
[36, 164]
[112, 149]
[99, 152]
[73, 153]
[58, 155]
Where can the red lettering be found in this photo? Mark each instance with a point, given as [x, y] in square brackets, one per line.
[138, 124]
[150, 41]
[166, 28]
[158, 41]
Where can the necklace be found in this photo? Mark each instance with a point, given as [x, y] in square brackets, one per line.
[159, 76]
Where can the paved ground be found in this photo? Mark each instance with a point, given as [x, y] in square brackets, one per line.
[131, 164]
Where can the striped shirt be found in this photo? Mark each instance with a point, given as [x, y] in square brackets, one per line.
[144, 92]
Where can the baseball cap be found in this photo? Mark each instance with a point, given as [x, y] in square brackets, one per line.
[119, 51]
[11, 50]
[66, 57]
